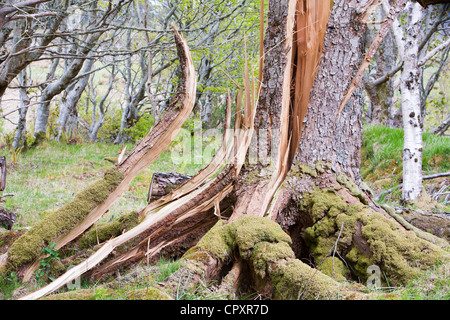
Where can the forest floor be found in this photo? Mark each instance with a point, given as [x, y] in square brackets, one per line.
[44, 178]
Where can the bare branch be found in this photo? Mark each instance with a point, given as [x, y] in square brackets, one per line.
[433, 52]
[4, 12]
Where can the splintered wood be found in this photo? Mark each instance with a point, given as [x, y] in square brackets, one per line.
[148, 150]
[201, 193]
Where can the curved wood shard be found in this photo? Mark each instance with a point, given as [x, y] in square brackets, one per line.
[148, 150]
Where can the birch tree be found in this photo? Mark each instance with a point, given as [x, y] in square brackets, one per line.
[412, 45]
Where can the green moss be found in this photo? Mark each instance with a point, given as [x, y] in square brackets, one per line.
[294, 279]
[219, 241]
[251, 230]
[401, 253]
[99, 293]
[334, 268]
[242, 234]
[29, 246]
[322, 165]
[265, 254]
[149, 293]
[101, 232]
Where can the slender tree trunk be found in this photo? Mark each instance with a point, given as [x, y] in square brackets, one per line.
[443, 127]
[381, 95]
[411, 113]
[19, 137]
[68, 106]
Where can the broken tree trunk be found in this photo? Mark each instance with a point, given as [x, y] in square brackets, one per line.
[77, 216]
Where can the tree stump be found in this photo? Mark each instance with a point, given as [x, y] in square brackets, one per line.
[163, 183]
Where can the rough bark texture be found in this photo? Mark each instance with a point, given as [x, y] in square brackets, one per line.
[381, 95]
[327, 136]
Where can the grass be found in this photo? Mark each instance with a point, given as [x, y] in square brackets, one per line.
[166, 268]
[381, 156]
[432, 285]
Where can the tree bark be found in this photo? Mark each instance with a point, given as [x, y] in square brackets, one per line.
[68, 106]
[19, 137]
[318, 202]
[411, 113]
[3, 171]
[443, 127]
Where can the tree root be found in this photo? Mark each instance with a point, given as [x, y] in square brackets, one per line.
[262, 257]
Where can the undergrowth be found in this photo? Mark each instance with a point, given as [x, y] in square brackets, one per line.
[381, 158]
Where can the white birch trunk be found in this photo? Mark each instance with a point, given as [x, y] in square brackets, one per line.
[410, 89]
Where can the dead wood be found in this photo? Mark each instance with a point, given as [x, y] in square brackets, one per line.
[149, 148]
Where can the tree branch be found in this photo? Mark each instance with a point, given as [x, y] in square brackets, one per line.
[4, 12]
[385, 27]
[433, 52]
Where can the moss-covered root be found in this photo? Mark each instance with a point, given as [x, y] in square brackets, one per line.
[440, 242]
[365, 238]
[29, 246]
[262, 244]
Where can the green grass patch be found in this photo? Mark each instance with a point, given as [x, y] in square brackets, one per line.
[381, 156]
